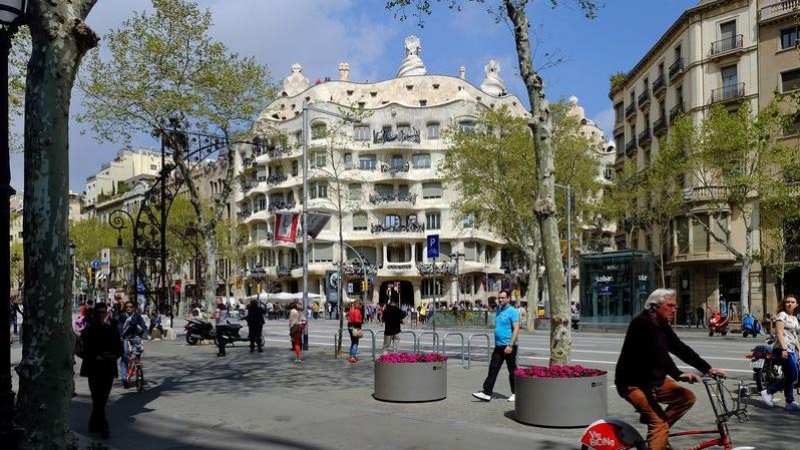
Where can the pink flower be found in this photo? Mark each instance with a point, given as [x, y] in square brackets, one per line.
[558, 371]
[405, 358]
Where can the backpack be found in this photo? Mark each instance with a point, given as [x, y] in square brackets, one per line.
[354, 316]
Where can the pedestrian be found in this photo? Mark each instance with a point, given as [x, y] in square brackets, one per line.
[13, 310]
[646, 375]
[575, 315]
[255, 325]
[102, 346]
[315, 310]
[131, 325]
[296, 326]
[687, 312]
[700, 314]
[392, 319]
[506, 333]
[355, 319]
[221, 321]
[155, 325]
[785, 348]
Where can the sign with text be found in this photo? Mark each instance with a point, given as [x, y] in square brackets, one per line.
[433, 246]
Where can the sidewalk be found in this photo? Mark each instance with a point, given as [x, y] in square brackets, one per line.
[195, 400]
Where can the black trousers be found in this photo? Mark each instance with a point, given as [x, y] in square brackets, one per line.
[100, 388]
[221, 338]
[254, 334]
[498, 357]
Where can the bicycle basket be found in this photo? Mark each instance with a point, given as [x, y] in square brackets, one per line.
[727, 398]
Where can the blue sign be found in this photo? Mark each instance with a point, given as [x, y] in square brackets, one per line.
[95, 264]
[433, 246]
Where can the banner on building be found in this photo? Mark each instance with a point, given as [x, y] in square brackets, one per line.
[316, 223]
[332, 286]
[285, 229]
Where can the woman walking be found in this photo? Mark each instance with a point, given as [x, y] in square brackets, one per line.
[355, 318]
[785, 349]
[297, 323]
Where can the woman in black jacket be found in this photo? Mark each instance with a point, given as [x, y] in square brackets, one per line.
[101, 348]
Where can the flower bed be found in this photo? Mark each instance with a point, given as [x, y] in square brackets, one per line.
[409, 377]
[561, 396]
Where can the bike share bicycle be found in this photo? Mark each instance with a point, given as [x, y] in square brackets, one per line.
[727, 401]
[135, 375]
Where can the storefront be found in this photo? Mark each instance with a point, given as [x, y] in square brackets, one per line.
[614, 285]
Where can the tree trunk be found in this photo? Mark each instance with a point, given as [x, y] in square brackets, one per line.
[341, 281]
[545, 207]
[533, 293]
[60, 39]
[210, 275]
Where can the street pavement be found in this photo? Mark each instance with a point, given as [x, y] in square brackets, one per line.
[195, 400]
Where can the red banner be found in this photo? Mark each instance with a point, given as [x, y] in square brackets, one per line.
[285, 229]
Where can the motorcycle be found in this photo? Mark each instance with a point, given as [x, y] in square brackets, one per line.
[766, 366]
[197, 331]
[718, 323]
[750, 326]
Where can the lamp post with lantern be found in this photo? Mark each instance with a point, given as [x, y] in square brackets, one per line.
[12, 15]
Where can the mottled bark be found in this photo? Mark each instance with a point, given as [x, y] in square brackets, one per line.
[60, 39]
[541, 126]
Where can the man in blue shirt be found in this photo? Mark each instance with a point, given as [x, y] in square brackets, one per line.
[506, 332]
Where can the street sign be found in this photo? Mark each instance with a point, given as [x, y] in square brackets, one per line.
[105, 261]
[332, 286]
[95, 264]
[433, 246]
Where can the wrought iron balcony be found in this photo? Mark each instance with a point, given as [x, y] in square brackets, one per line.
[630, 110]
[283, 271]
[728, 93]
[394, 169]
[676, 111]
[399, 266]
[659, 85]
[645, 137]
[355, 267]
[675, 69]
[277, 178]
[377, 199]
[279, 204]
[726, 45]
[660, 126]
[413, 227]
[243, 214]
[271, 151]
[261, 178]
[644, 99]
[439, 268]
[630, 146]
[706, 193]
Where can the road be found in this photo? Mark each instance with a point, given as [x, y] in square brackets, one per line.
[195, 400]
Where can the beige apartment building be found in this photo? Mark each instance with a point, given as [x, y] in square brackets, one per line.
[127, 164]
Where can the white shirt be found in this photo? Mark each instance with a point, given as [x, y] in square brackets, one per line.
[790, 327]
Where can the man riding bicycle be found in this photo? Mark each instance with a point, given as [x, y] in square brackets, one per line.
[646, 375]
[131, 327]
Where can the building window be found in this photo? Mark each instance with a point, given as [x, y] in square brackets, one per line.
[682, 231]
[700, 235]
[790, 80]
[348, 161]
[322, 252]
[318, 130]
[789, 38]
[397, 161]
[153, 167]
[412, 218]
[383, 189]
[421, 161]
[367, 162]
[433, 220]
[429, 289]
[467, 126]
[361, 133]
[470, 251]
[619, 112]
[404, 129]
[433, 130]
[469, 221]
[730, 76]
[431, 190]
[318, 190]
[359, 221]
[391, 221]
[318, 160]
[355, 191]
[295, 168]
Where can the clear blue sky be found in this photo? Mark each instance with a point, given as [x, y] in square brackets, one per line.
[319, 34]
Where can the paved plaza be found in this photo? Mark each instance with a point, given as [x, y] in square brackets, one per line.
[195, 400]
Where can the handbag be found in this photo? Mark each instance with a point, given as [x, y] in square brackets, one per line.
[357, 333]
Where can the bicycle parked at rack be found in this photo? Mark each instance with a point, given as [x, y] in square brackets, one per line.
[135, 375]
[727, 400]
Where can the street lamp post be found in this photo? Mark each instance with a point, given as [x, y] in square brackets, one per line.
[569, 239]
[12, 15]
[306, 109]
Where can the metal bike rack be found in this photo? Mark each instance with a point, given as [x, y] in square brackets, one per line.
[435, 340]
[444, 344]
[341, 333]
[469, 347]
[415, 340]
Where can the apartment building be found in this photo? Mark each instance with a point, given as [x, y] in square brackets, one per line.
[395, 196]
[708, 56]
[126, 165]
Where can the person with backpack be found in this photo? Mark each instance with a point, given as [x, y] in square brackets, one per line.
[355, 319]
[255, 325]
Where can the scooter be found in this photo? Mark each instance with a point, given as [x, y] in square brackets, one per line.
[766, 368]
[718, 323]
[750, 326]
[197, 330]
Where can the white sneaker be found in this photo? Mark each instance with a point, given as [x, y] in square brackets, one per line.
[481, 396]
[794, 406]
[512, 398]
[767, 398]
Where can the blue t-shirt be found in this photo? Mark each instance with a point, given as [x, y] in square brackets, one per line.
[504, 324]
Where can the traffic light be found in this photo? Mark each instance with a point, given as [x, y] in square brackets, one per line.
[364, 285]
[92, 276]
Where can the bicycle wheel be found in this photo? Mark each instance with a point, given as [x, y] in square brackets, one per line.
[139, 378]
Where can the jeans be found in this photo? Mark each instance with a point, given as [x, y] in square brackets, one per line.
[789, 367]
[498, 356]
[678, 399]
[100, 387]
[353, 343]
[123, 362]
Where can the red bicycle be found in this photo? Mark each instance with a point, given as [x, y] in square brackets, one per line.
[135, 375]
[726, 401]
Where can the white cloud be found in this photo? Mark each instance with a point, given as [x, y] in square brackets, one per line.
[605, 120]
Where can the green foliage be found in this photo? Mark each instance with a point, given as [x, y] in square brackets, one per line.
[92, 235]
[422, 8]
[616, 80]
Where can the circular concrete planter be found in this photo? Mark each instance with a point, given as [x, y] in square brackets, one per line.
[560, 402]
[410, 382]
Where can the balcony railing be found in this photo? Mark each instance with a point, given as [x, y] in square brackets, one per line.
[413, 227]
[773, 9]
[726, 45]
[659, 85]
[675, 68]
[630, 146]
[399, 266]
[728, 93]
[676, 111]
[243, 214]
[660, 126]
[279, 204]
[377, 199]
[277, 178]
[645, 137]
[644, 99]
[630, 110]
[439, 268]
[355, 267]
[705, 193]
[395, 168]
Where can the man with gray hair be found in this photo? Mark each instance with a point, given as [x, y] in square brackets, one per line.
[646, 375]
